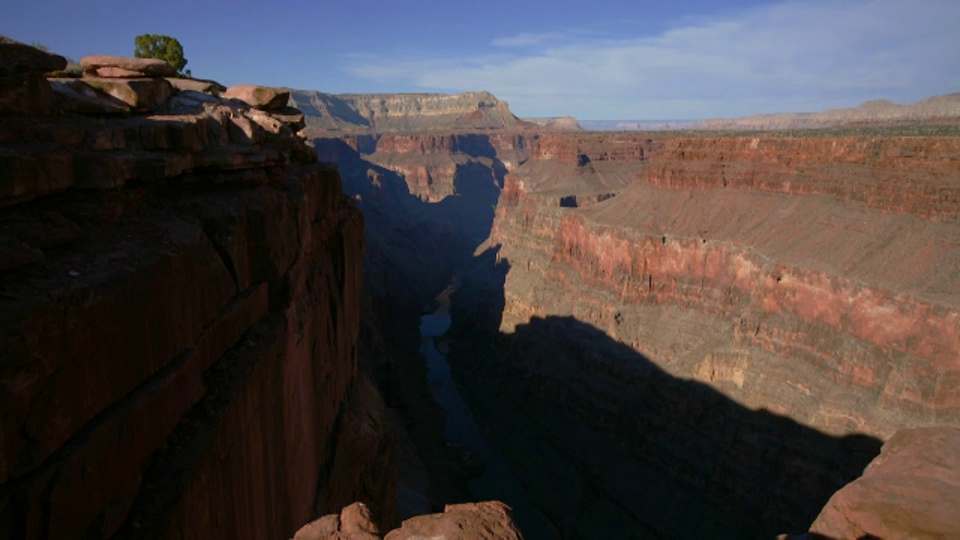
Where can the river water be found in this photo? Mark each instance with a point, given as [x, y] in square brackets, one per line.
[497, 481]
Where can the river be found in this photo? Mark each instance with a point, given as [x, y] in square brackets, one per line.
[497, 481]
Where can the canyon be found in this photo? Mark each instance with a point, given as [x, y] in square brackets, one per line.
[211, 306]
[682, 333]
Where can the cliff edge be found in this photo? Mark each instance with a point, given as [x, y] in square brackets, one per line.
[179, 312]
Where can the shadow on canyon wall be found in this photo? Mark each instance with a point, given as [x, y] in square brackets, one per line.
[413, 251]
[609, 445]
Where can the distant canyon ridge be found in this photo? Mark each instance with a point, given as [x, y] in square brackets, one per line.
[385, 113]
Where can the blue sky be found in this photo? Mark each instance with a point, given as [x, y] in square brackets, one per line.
[600, 59]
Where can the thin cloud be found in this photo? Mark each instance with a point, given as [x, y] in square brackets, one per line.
[791, 56]
[527, 39]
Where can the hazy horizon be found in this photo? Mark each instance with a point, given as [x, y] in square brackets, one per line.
[661, 60]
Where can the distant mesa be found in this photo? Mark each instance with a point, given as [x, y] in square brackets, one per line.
[560, 123]
[399, 113]
[938, 109]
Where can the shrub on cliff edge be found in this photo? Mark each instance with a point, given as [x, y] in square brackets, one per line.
[162, 47]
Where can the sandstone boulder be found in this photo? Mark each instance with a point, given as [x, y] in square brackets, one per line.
[142, 95]
[22, 86]
[487, 520]
[18, 59]
[355, 522]
[28, 93]
[76, 96]
[261, 97]
[291, 117]
[197, 85]
[911, 490]
[102, 65]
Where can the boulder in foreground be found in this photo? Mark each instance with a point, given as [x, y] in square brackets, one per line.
[484, 520]
[911, 490]
[102, 65]
[19, 59]
[261, 97]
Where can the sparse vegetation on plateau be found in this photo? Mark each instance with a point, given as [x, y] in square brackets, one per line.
[162, 47]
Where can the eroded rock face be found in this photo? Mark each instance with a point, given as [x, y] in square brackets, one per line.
[911, 490]
[141, 95]
[125, 67]
[23, 87]
[719, 328]
[410, 113]
[484, 520]
[20, 59]
[178, 329]
[260, 97]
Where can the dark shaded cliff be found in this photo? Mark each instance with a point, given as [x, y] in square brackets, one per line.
[179, 319]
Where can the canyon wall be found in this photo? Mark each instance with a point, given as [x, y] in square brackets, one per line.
[736, 322]
[179, 320]
[419, 233]
[384, 113]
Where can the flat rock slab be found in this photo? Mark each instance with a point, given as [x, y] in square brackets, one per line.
[142, 95]
[19, 59]
[125, 67]
[74, 95]
[260, 97]
[911, 490]
[197, 85]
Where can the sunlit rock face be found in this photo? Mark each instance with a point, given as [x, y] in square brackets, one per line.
[908, 491]
[391, 113]
[725, 314]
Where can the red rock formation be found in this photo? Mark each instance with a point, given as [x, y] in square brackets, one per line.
[406, 113]
[912, 175]
[429, 163]
[178, 353]
[867, 299]
[911, 490]
[818, 286]
[484, 520]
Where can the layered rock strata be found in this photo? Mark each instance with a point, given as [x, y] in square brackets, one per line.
[721, 325]
[380, 113]
[944, 110]
[180, 305]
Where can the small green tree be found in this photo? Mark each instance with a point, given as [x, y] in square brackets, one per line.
[162, 47]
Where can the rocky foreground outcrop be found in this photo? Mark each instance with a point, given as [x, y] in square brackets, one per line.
[485, 520]
[909, 491]
[180, 297]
